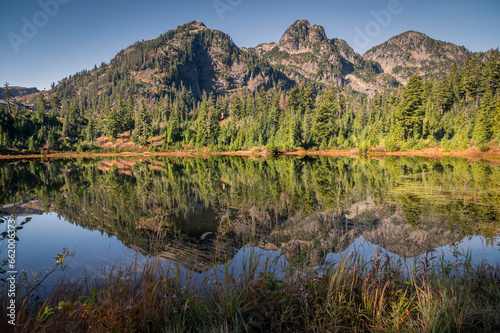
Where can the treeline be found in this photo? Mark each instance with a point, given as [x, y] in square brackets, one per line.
[461, 110]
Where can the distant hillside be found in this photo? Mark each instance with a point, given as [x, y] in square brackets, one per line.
[403, 55]
[18, 91]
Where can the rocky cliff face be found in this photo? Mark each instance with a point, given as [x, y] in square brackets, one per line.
[411, 52]
[304, 52]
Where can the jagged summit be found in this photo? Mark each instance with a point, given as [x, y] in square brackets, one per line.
[304, 52]
[300, 35]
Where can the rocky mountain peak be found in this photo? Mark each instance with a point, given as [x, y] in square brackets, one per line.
[196, 24]
[300, 33]
[412, 51]
[304, 52]
[294, 36]
[408, 36]
[317, 34]
[299, 26]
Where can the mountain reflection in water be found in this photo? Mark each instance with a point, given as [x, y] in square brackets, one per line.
[201, 212]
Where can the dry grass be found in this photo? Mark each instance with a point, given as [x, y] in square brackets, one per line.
[349, 296]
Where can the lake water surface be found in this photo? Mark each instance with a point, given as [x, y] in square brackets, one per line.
[200, 213]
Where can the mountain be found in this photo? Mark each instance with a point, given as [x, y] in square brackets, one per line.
[193, 56]
[18, 91]
[198, 59]
[403, 55]
[305, 53]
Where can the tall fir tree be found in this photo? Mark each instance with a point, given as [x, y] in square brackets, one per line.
[91, 129]
[411, 112]
[483, 125]
[323, 123]
[113, 125]
[173, 131]
[8, 96]
[143, 123]
[495, 129]
[39, 116]
[55, 105]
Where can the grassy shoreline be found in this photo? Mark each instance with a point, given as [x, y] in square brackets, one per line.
[351, 296]
[471, 153]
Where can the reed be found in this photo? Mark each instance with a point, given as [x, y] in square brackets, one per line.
[381, 295]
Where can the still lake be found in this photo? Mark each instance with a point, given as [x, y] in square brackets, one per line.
[198, 213]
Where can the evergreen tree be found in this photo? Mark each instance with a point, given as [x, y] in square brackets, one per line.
[41, 105]
[455, 82]
[411, 112]
[91, 129]
[236, 106]
[323, 124]
[66, 126]
[74, 113]
[495, 129]
[142, 129]
[201, 125]
[8, 96]
[396, 136]
[294, 99]
[444, 94]
[173, 130]
[113, 125]
[214, 126]
[293, 135]
[51, 138]
[490, 79]
[307, 124]
[56, 105]
[39, 116]
[307, 99]
[129, 115]
[207, 123]
[274, 115]
[121, 114]
[483, 127]
[471, 79]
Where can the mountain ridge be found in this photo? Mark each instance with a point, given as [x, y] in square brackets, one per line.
[207, 60]
[18, 91]
[412, 51]
[304, 52]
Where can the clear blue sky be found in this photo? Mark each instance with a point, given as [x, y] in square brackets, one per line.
[81, 33]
